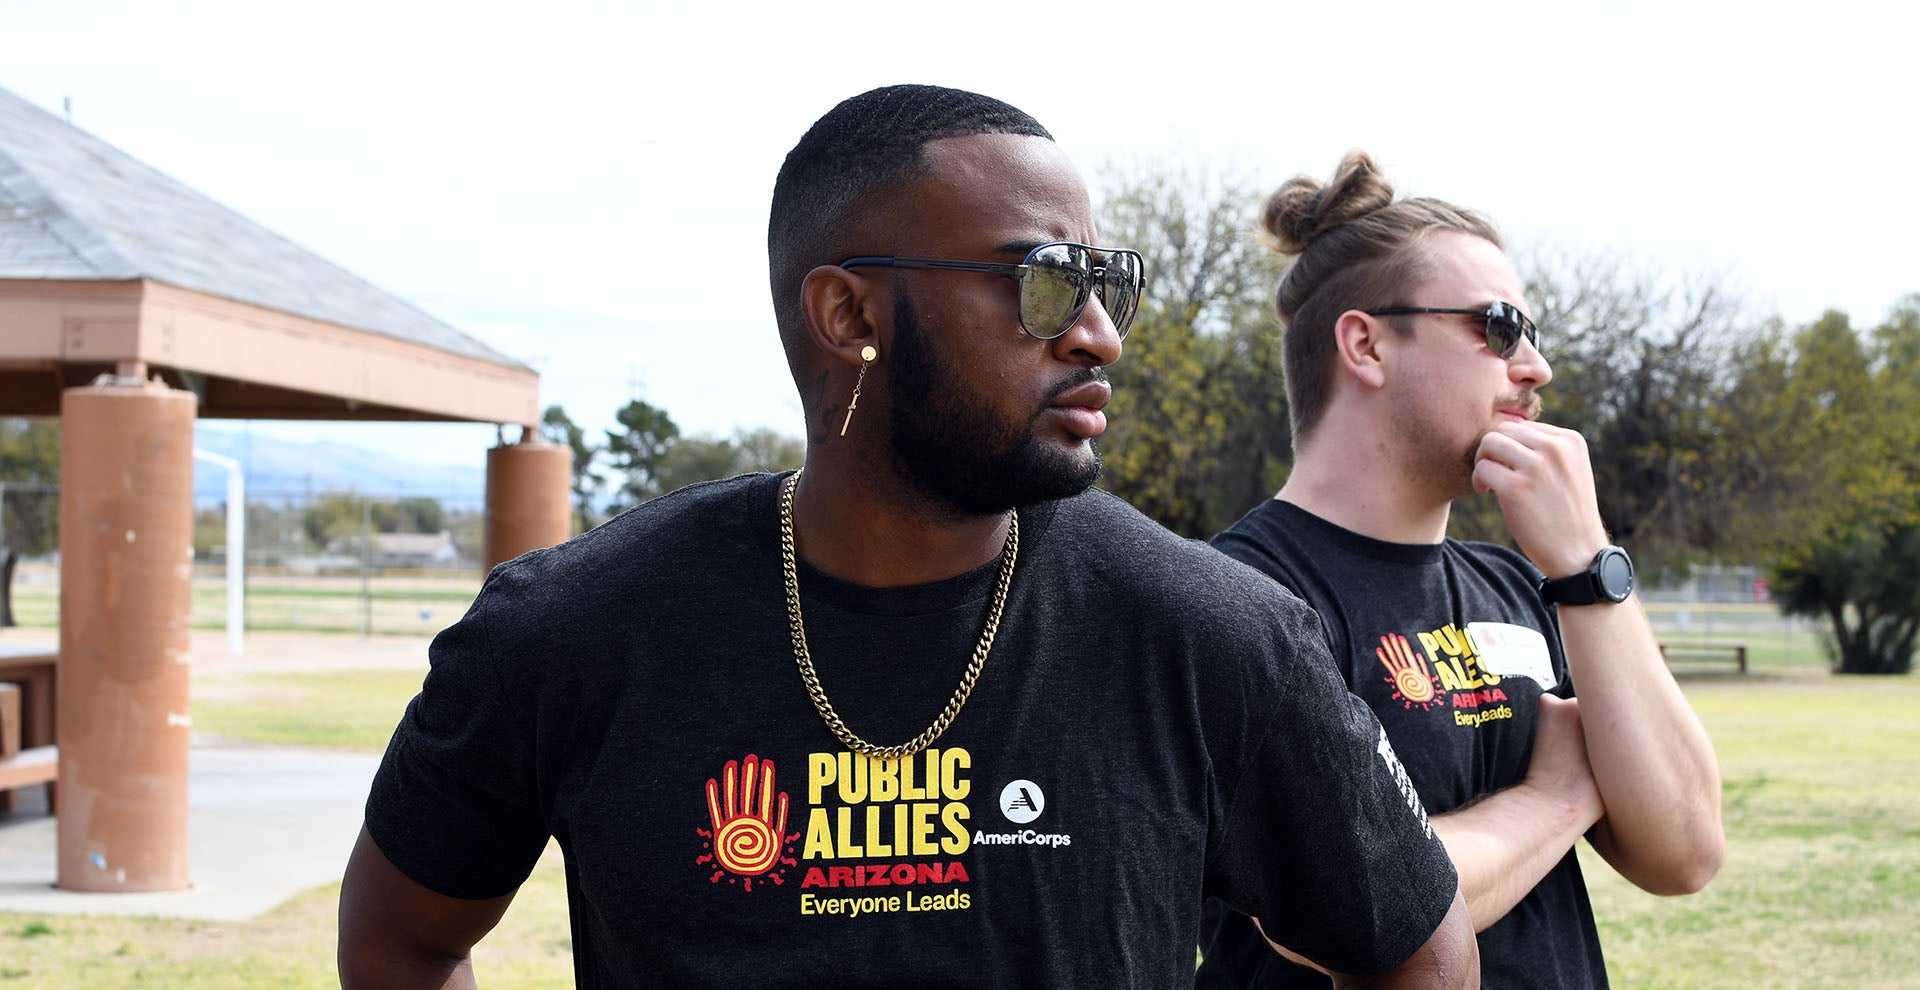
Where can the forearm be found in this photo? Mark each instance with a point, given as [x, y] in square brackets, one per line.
[1651, 758]
[1504, 844]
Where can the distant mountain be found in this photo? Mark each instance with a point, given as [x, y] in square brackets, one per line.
[279, 469]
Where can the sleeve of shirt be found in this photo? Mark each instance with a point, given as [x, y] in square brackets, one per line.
[1325, 839]
[455, 805]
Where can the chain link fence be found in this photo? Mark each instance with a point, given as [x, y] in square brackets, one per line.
[409, 564]
[319, 562]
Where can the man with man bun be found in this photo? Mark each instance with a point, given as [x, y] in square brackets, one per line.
[930, 712]
[1412, 374]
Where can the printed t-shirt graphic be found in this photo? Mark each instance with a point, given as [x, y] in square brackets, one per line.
[749, 837]
[1461, 669]
[869, 824]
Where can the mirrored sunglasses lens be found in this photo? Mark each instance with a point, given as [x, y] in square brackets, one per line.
[1503, 335]
[1506, 324]
[1120, 290]
[1054, 289]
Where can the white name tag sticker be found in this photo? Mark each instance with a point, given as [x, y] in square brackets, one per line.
[1514, 651]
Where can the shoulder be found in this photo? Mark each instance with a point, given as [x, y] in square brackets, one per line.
[1495, 559]
[1264, 539]
[700, 517]
[1172, 588]
[700, 533]
[1146, 558]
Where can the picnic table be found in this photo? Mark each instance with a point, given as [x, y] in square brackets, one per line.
[34, 668]
[27, 752]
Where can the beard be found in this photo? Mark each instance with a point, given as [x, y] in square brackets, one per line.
[950, 445]
[1437, 454]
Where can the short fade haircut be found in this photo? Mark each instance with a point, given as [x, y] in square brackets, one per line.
[866, 146]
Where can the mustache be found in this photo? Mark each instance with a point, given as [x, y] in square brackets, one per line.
[1075, 380]
[1526, 399]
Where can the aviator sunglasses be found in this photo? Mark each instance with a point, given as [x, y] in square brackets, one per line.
[1056, 280]
[1505, 324]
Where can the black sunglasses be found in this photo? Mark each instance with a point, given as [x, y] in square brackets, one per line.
[1056, 280]
[1505, 324]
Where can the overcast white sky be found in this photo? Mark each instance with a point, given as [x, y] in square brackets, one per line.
[583, 185]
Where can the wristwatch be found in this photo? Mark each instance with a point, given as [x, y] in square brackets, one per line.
[1608, 579]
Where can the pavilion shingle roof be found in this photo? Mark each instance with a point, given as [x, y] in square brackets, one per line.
[74, 207]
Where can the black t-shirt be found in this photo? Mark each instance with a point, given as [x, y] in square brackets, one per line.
[1451, 647]
[1156, 724]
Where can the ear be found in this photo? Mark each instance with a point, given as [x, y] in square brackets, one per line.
[840, 306]
[1357, 339]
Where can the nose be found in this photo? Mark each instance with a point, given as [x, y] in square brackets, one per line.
[1092, 340]
[1528, 366]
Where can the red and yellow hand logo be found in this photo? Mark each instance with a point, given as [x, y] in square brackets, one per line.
[748, 834]
[1407, 671]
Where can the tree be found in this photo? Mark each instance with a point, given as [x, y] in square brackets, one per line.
[1866, 584]
[702, 458]
[338, 516]
[695, 459]
[639, 450]
[769, 450]
[1198, 430]
[410, 515]
[558, 428]
[29, 485]
[333, 516]
[1846, 424]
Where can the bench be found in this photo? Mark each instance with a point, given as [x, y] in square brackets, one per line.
[1716, 652]
[22, 767]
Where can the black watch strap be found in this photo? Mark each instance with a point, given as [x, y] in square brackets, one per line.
[1608, 579]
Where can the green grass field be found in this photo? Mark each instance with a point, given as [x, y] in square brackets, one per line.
[1822, 877]
[340, 710]
[1820, 886]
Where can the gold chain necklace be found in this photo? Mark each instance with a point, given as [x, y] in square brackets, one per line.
[805, 660]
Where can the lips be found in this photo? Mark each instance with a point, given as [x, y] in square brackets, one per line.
[1089, 395]
[1080, 406]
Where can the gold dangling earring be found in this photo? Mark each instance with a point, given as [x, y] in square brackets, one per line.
[867, 354]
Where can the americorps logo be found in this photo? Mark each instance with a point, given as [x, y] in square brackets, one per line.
[1022, 801]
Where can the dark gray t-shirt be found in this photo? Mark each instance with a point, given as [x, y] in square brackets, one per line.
[1156, 724]
[1451, 646]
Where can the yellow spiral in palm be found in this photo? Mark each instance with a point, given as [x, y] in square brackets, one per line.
[746, 846]
[1414, 686]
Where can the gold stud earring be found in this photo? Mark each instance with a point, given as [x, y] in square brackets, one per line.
[867, 354]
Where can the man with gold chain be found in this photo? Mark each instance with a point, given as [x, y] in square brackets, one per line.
[929, 712]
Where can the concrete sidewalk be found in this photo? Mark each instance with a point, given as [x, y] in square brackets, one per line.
[263, 824]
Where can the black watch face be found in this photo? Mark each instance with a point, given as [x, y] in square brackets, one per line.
[1616, 575]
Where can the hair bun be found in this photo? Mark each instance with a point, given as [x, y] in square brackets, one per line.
[1304, 207]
